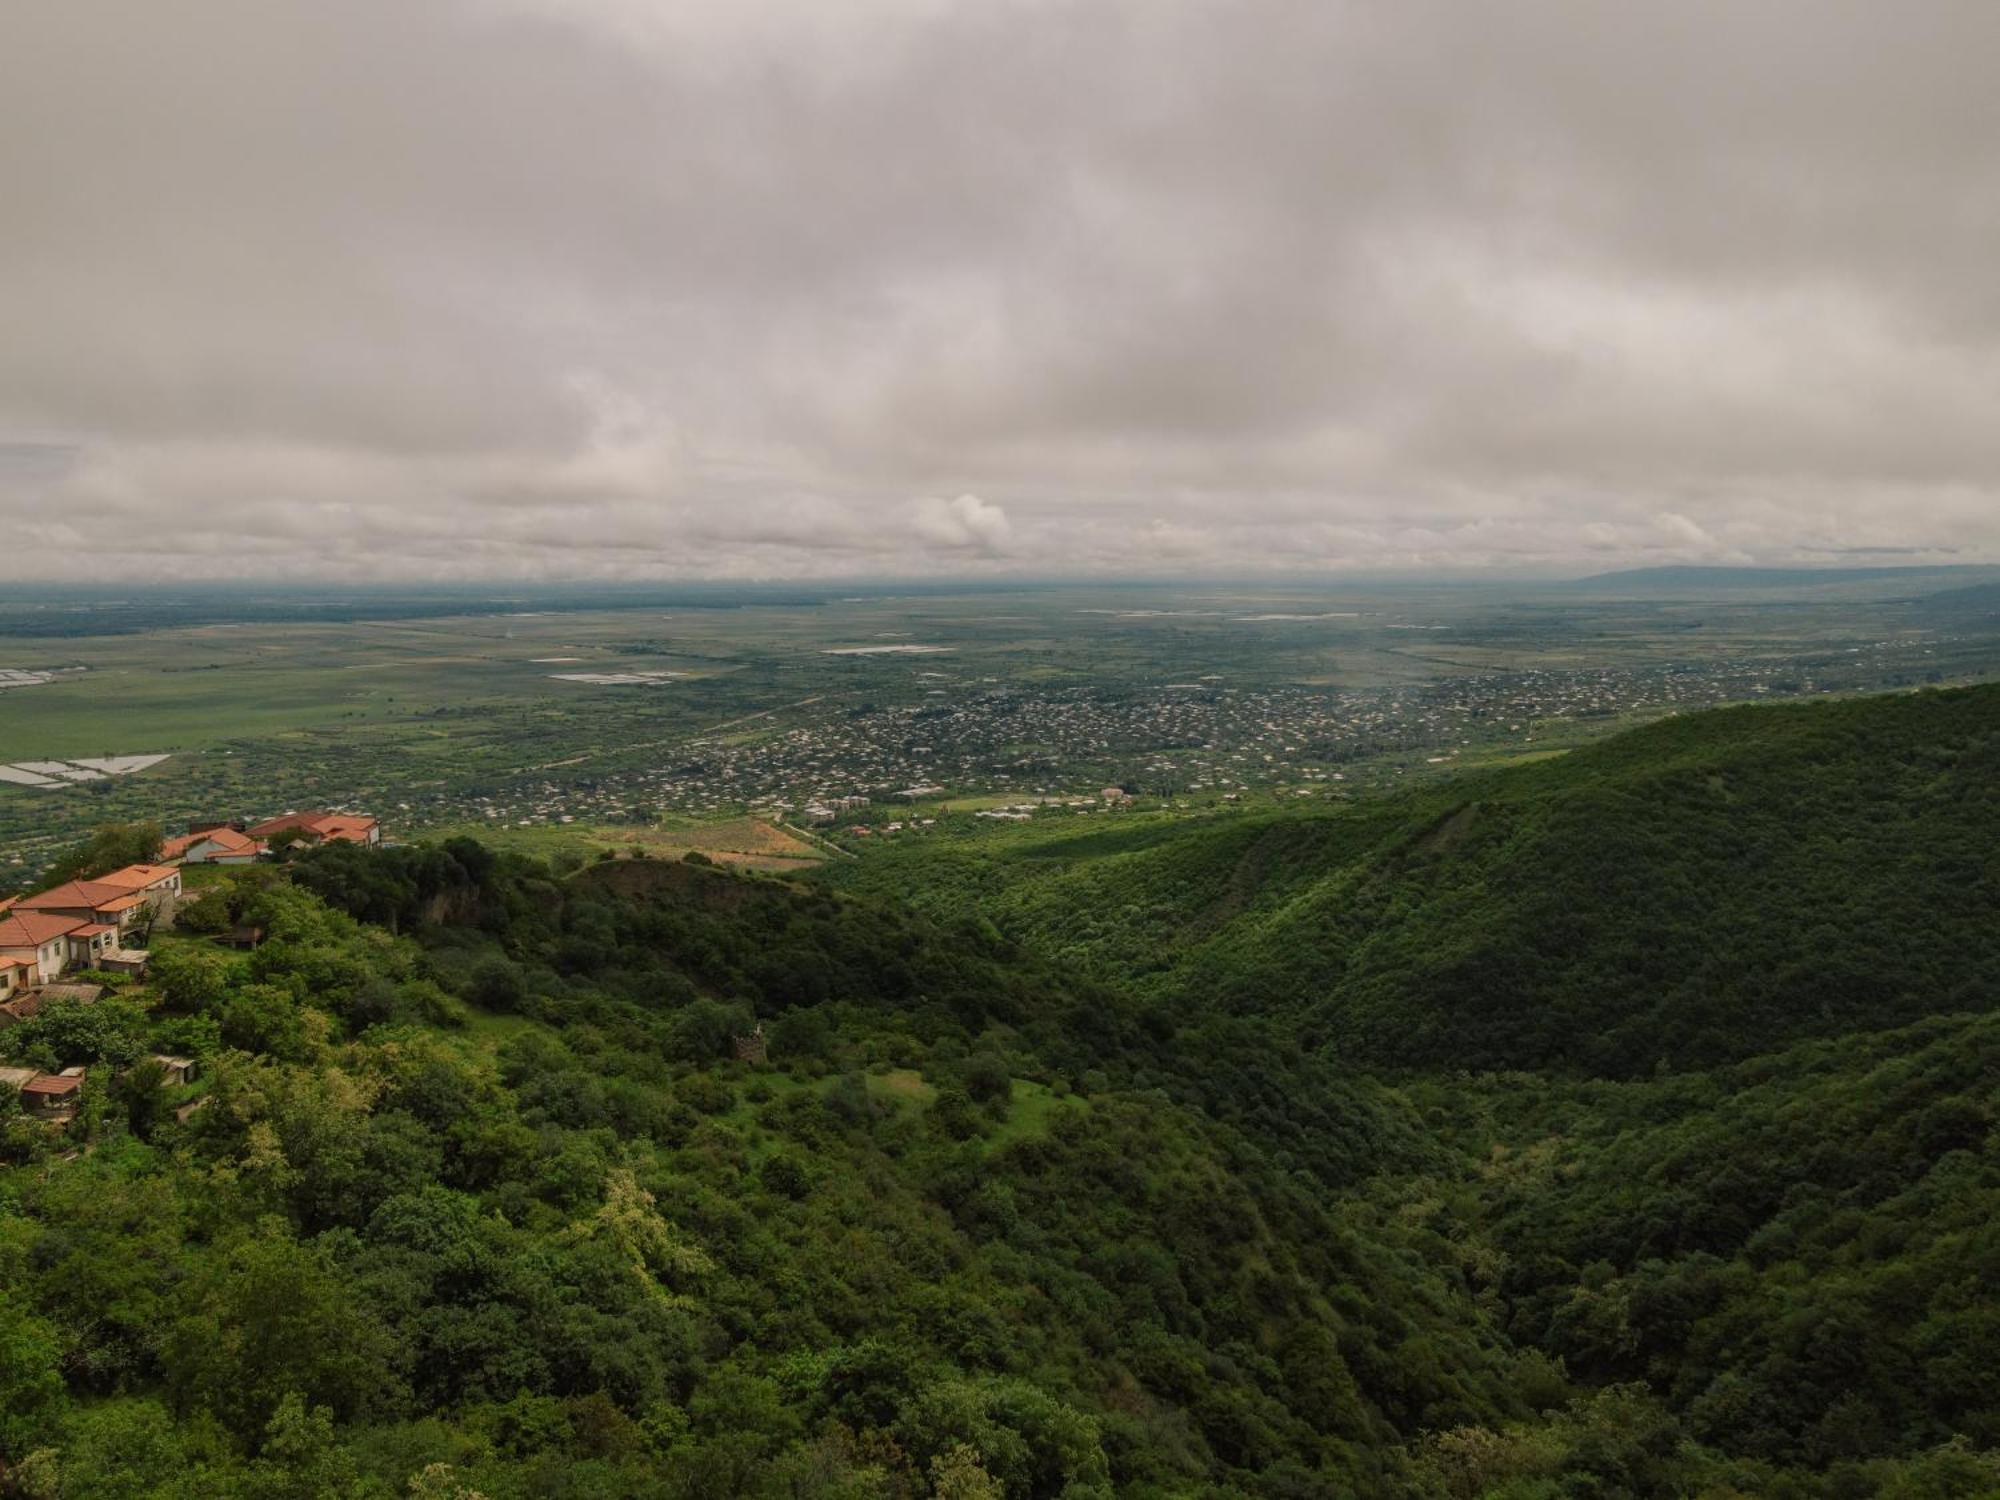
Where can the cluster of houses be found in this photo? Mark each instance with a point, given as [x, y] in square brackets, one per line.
[83, 924]
[240, 843]
[100, 924]
[826, 809]
[91, 924]
[87, 924]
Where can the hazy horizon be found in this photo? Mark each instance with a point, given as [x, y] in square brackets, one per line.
[1300, 579]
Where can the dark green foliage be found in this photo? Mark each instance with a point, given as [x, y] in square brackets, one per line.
[140, 1092]
[68, 1033]
[1083, 1200]
[1695, 892]
[599, 1245]
[1797, 1251]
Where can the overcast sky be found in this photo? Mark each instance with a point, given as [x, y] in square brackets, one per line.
[765, 288]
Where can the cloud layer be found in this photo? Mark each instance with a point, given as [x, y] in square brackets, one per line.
[617, 288]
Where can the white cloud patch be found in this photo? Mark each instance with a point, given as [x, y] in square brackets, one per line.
[964, 522]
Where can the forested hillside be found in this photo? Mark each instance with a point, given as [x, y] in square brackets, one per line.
[499, 1211]
[1066, 1166]
[1698, 891]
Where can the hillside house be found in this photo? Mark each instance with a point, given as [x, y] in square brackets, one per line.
[16, 974]
[174, 1071]
[96, 902]
[320, 827]
[89, 943]
[44, 940]
[82, 994]
[160, 883]
[21, 1007]
[221, 845]
[82, 924]
[53, 1096]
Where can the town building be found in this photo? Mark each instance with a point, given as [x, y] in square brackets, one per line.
[42, 938]
[53, 1096]
[160, 884]
[16, 974]
[174, 1071]
[320, 827]
[23, 1006]
[93, 901]
[81, 994]
[218, 845]
[82, 924]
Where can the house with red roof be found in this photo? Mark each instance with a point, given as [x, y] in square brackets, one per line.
[49, 942]
[53, 1096]
[155, 882]
[94, 901]
[16, 974]
[81, 923]
[320, 827]
[220, 845]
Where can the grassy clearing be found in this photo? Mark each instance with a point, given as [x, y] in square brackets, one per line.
[487, 1030]
[744, 843]
[743, 836]
[901, 1086]
[1032, 1113]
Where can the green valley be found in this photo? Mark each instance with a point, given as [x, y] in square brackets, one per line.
[1613, 1124]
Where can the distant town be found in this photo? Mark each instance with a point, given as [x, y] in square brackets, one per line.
[611, 719]
[1201, 737]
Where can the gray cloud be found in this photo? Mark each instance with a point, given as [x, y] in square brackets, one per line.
[623, 288]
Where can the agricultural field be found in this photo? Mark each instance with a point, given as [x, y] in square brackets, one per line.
[631, 720]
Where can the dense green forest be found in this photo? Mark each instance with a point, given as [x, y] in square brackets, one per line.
[1617, 1125]
[1702, 890]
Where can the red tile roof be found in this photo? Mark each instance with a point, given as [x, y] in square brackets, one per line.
[321, 824]
[304, 820]
[31, 929]
[85, 895]
[73, 893]
[228, 840]
[138, 877]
